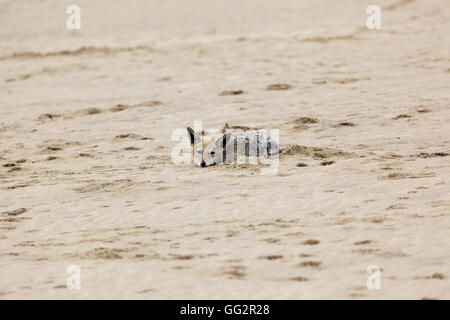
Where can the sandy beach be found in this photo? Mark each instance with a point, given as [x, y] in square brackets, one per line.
[87, 178]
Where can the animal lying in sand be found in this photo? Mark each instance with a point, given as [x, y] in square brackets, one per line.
[223, 150]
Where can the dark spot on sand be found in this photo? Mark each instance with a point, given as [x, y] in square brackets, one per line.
[14, 212]
[272, 257]
[279, 86]
[91, 111]
[234, 272]
[118, 108]
[305, 120]
[437, 276]
[60, 287]
[127, 135]
[54, 148]
[231, 92]
[48, 116]
[431, 155]
[311, 242]
[8, 165]
[312, 264]
[84, 155]
[358, 243]
[299, 279]
[346, 124]
[132, 148]
[182, 256]
[401, 116]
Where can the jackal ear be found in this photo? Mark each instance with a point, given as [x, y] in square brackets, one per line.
[223, 140]
[193, 136]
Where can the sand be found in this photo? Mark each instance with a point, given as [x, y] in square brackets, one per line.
[86, 176]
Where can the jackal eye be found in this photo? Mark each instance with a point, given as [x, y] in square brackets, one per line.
[199, 151]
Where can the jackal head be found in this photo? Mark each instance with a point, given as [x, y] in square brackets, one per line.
[207, 152]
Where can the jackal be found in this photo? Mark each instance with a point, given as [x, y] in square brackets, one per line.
[223, 150]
